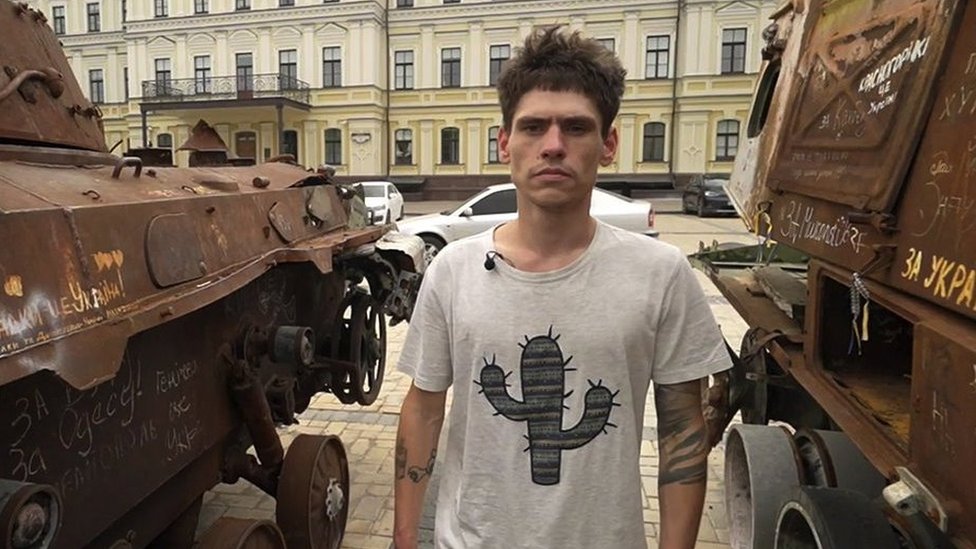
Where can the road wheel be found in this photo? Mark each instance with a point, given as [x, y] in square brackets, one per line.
[389, 217]
[701, 206]
[313, 493]
[238, 533]
[831, 518]
[432, 246]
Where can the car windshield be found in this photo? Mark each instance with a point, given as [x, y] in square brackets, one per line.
[373, 191]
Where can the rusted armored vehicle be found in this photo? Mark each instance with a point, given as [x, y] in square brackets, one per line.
[856, 381]
[157, 323]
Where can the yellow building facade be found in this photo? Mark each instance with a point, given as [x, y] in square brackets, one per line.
[403, 89]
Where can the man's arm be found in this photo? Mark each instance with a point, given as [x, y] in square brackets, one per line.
[421, 418]
[683, 469]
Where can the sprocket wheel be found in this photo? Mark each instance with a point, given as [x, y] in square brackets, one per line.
[313, 493]
[238, 533]
[361, 340]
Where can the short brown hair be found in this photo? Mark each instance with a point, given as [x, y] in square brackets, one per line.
[553, 60]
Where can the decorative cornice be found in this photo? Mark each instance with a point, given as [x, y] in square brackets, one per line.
[258, 18]
[463, 12]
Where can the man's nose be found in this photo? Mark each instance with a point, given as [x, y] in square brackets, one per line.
[553, 144]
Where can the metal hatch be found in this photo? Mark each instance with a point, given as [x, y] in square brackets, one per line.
[41, 101]
[866, 89]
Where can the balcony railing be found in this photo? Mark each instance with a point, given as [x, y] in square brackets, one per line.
[226, 87]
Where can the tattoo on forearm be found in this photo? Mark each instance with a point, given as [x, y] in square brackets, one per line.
[417, 474]
[681, 433]
[401, 459]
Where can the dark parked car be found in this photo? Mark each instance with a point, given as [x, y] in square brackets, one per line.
[705, 195]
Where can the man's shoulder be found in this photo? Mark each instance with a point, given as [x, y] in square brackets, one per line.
[642, 248]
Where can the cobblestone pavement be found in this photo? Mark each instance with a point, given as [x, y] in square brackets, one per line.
[369, 433]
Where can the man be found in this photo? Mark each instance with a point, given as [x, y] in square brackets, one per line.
[550, 329]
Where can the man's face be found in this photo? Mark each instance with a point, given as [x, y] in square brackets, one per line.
[555, 148]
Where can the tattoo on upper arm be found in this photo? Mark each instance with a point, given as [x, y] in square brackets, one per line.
[401, 459]
[681, 433]
[417, 474]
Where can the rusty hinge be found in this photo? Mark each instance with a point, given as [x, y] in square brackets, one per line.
[883, 222]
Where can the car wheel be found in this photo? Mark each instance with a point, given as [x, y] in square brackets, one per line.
[701, 207]
[388, 218]
[432, 246]
[684, 206]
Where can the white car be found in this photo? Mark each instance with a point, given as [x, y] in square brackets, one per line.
[496, 204]
[383, 200]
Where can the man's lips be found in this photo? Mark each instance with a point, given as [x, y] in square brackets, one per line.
[553, 171]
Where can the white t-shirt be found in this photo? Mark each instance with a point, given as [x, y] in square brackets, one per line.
[550, 373]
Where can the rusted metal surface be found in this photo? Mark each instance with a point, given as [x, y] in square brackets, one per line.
[40, 97]
[203, 138]
[156, 322]
[855, 120]
[943, 416]
[936, 258]
[867, 164]
[764, 131]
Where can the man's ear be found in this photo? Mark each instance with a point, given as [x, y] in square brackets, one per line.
[503, 155]
[610, 147]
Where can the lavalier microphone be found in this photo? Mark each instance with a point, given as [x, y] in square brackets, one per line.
[490, 259]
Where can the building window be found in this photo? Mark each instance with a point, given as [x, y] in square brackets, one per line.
[333, 146]
[57, 13]
[653, 142]
[162, 8]
[493, 145]
[497, 55]
[451, 68]
[164, 141]
[727, 140]
[125, 82]
[288, 69]
[331, 67]
[452, 1]
[733, 51]
[245, 71]
[94, 17]
[403, 147]
[403, 73]
[657, 57]
[289, 143]
[404, 3]
[286, 3]
[164, 76]
[201, 6]
[201, 73]
[609, 43]
[242, 5]
[96, 86]
[450, 146]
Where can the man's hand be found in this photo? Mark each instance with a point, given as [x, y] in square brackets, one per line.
[683, 467]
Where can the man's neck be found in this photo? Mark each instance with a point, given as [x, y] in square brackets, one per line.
[541, 240]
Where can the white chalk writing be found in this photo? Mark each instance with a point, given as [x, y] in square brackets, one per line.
[171, 379]
[910, 55]
[957, 103]
[86, 411]
[940, 208]
[878, 106]
[800, 223]
[971, 66]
